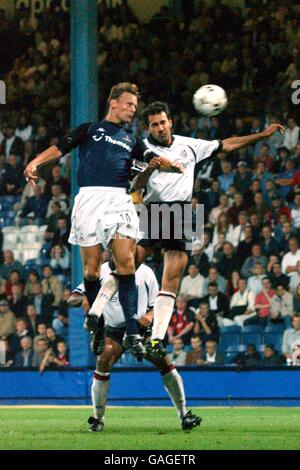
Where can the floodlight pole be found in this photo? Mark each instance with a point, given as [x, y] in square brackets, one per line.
[84, 108]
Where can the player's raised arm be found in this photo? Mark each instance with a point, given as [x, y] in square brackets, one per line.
[71, 141]
[235, 143]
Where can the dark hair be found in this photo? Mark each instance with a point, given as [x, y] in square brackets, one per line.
[120, 88]
[212, 284]
[156, 107]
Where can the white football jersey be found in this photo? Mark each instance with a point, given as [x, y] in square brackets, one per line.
[147, 292]
[170, 187]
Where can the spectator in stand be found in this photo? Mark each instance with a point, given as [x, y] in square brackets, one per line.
[256, 257]
[18, 302]
[277, 278]
[244, 248]
[24, 357]
[42, 302]
[262, 305]
[271, 358]
[221, 208]
[291, 335]
[52, 220]
[254, 283]
[269, 245]
[7, 320]
[6, 358]
[238, 231]
[60, 261]
[58, 196]
[294, 279]
[290, 259]
[178, 356]
[195, 356]
[214, 276]
[288, 173]
[206, 325]
[233, 284]
[61, 320]
[222, 227]
[227, 176]
[283, 238]
[218, 304]
[264, 156]
[13, 279]
[61, 234]
[291, 135]
[37, 205]
[249, 358]
[12, 180]
[56, 178]
[259, 207]
[52, 338]
[243, 178]
[282, 306]
[228, 261]
[182, 322]
[11, 143]
[51, 285]
[295, 213]
[296, 299]
[61, 357]
[192, 285]
[211, 354]
[33, 277]
[31, 318]
[9, 265]
[40, 352]
[24, 128]
[241, 305]
[237, 206]
[200, 259]
[15, 339]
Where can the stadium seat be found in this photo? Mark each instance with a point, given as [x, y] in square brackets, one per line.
[10, 240]
[30, 255]
[10, 229]
[30, 229]
[275, 328]
[253, 329]
[228, 339]
[255, 338]
[231, 329]
[273, 338]
[228, 358]
[18, 255]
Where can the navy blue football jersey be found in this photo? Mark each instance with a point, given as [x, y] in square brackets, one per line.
[106, 153]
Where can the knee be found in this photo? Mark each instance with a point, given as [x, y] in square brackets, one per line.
[105, 361]
[91, 272]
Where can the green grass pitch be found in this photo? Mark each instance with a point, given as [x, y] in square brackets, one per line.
[150, 429]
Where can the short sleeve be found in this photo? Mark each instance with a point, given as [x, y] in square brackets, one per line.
[74, 138]
[205, 148]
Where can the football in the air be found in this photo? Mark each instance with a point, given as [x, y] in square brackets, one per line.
[210, 100]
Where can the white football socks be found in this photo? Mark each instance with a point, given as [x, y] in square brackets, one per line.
[108, 289]
[173, 384]
[163, 309]
[100, 388]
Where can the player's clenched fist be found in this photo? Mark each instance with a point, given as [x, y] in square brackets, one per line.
[163, 164]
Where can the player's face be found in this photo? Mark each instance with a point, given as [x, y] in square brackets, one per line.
[160, 127]
[124, 108]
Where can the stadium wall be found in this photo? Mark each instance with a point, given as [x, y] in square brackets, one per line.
[140, 387]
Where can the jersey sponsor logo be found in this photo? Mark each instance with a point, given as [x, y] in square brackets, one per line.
[110, 140]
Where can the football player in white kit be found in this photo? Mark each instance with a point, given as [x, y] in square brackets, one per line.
[115, 346]
[169, 189]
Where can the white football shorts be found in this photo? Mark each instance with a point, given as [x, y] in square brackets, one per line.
[99, 213]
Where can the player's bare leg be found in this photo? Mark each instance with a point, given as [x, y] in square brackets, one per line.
[91, 260]
[124, 251]
[173, 384]
[174, 266]
[100, 386]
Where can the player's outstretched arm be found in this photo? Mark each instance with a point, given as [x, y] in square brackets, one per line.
[235, 143]
[49, 155]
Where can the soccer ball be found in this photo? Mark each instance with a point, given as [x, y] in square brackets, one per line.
[210, 100]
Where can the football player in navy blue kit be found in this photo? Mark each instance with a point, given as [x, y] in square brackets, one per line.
[103, 213]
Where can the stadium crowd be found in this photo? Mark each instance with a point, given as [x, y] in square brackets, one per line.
[241, 292]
